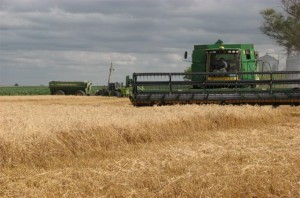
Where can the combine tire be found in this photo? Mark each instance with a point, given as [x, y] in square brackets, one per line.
[80, 93]
[59, 92]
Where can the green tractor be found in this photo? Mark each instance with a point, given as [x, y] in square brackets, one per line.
[115, 89]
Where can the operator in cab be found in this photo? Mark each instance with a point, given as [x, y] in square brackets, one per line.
[221, 66]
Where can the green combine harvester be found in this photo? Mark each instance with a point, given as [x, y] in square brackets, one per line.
[220, 74]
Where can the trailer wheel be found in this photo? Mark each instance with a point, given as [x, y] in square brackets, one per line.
[80, 93]
[59, 92]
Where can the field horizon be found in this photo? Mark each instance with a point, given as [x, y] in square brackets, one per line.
[67, 146]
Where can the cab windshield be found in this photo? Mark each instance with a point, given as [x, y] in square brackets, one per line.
[222, 62]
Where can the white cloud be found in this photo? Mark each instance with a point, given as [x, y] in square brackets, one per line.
[77, 39]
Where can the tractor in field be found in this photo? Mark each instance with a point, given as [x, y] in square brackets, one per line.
[80, 88]
[115, 89]
[220, 74]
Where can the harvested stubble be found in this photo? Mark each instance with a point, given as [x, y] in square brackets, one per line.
[94, 146]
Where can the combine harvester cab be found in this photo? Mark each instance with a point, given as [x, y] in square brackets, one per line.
[220, 74]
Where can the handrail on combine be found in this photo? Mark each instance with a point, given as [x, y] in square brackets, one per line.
[216, 87]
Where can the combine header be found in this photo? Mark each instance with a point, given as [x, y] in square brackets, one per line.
[220, 74]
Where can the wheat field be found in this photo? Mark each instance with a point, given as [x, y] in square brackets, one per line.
[65, 146]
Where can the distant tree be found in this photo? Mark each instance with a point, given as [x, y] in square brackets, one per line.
[187, 71]
[283, 27]
[16, 84]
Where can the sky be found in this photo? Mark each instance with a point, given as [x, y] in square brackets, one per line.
[45, 40]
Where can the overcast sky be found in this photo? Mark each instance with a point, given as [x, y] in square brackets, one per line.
[44, 40]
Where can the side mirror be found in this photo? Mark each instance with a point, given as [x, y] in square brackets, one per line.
[185, 54]
[256, 54]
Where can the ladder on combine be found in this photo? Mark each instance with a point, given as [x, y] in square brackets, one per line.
[261, 88]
